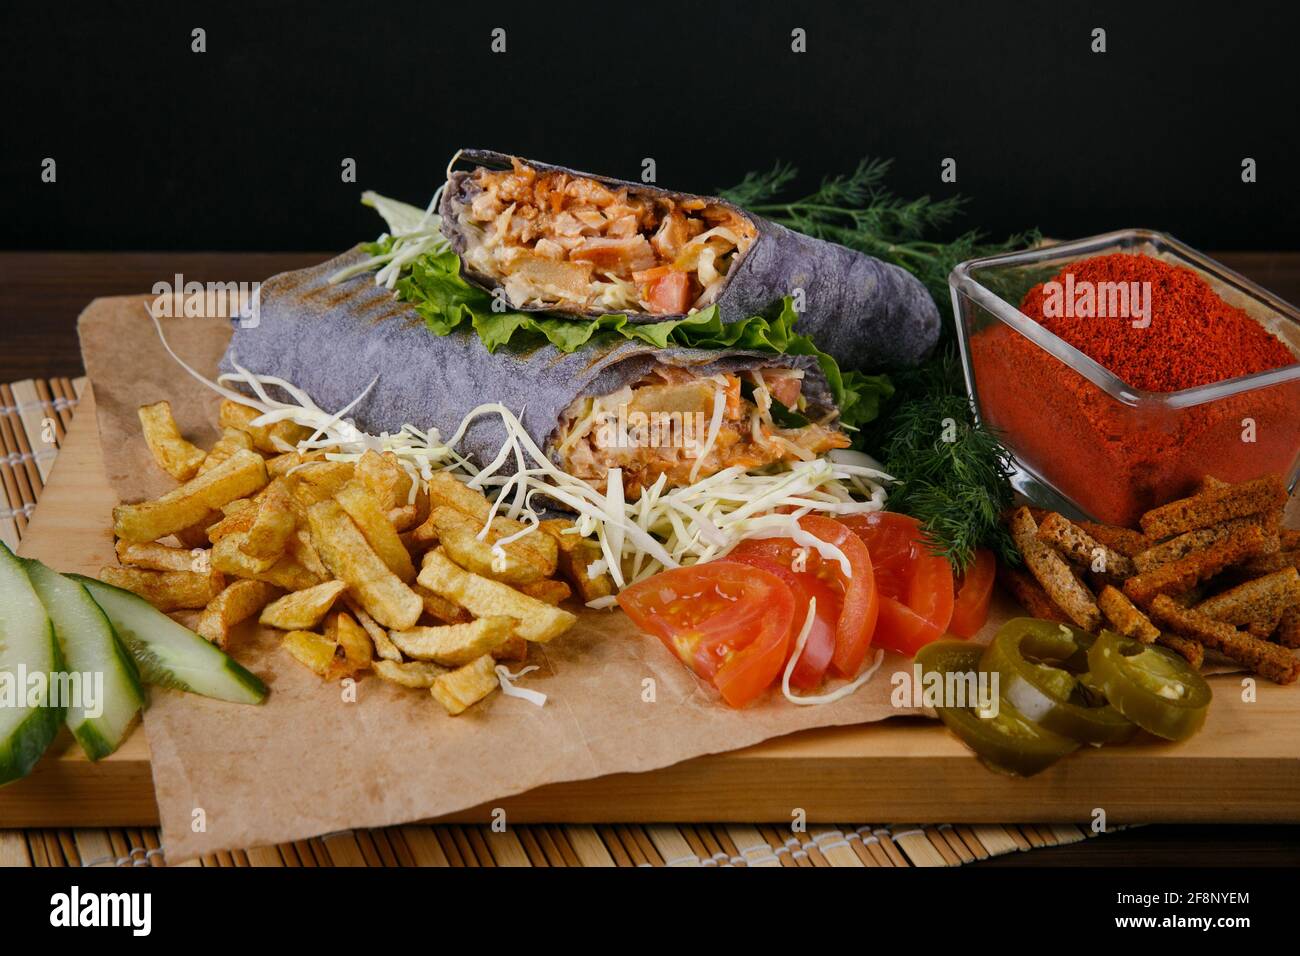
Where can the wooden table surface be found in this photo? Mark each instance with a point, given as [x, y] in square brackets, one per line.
[41, 295]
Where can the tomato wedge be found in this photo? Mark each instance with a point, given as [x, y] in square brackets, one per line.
[816, 657]
[971, 609]
[729, 622]
[856, 608]
[857, 625]
[915, 587]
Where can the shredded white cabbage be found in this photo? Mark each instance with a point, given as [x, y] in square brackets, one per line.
[504, 678]
[415, 231]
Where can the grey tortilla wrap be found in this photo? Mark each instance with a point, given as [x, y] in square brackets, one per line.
[865, 313]
[331, 340]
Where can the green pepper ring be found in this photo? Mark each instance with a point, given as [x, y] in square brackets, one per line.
[1026, 688]
[1111, 659]
[1028, 751]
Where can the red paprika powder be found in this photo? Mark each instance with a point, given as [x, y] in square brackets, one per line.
[1112, 458]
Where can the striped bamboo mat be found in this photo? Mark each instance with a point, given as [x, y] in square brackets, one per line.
[34, 416]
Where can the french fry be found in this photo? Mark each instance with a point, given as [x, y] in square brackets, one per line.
[161, 557]
[535, 550]
[166, 590]
[230, 442]
[273, 523]
[273, 439]
[313, 650]
[483, 597]
[284, 573]
[237, 522]
[174, 454]
[576, 554]
[317, 481]
[302, 610]
[303, 551]
[454, 644]
[241, 474]
[237, 602]
[419, 674]
[447, 491]
[368, 514]
[281, 465]
[508, 564]
[548, 590]
[354, 640]
[384, 478]
[350, 558]
[466, 686]
[240, 504]
[437, 606]
[404, 518]
[196, 535]
[514, 648]
[384, 647]
[422, 537]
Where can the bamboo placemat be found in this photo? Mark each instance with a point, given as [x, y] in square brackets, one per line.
[34, 416]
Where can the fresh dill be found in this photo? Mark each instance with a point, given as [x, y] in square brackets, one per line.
[953, 474]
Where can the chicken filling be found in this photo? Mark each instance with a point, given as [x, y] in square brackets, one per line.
[568, 243]
[684, 426]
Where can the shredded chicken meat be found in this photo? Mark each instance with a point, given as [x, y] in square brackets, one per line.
[569, 243]
[684, 426]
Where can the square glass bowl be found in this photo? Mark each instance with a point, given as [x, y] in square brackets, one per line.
[1085, 441]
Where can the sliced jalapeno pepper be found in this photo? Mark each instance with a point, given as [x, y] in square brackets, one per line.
[1005, 741]
[1039, 664]
[1151, 686]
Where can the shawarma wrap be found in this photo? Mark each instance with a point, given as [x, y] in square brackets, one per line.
[681, 413]
[573, 244]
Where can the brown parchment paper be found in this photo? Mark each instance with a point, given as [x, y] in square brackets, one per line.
[310, 761]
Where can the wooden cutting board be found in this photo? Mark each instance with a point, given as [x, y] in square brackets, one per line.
[1243, 767]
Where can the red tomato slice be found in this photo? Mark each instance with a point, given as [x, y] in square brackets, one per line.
[816, 657]
[973, 593]
[855, 611]
[857, 625]
[915, 581]
[729, 622]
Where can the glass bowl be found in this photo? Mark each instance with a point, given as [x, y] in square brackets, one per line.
[1088, 443]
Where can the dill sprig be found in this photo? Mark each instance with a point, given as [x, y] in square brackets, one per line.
[952, 472]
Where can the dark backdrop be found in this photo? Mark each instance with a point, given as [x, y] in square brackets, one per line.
[240, 147]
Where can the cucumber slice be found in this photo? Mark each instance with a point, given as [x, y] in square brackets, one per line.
[168, 654]
[107, 676]
[27, 647]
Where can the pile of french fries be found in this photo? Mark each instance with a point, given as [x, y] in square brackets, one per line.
[1214, 571]
[364, 567]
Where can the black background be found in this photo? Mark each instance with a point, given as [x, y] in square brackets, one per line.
[240, 147]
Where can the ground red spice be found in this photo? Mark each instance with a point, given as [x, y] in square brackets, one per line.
[1116, 460]
[1195, 338]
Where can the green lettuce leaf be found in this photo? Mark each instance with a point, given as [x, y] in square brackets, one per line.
[436, 290]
